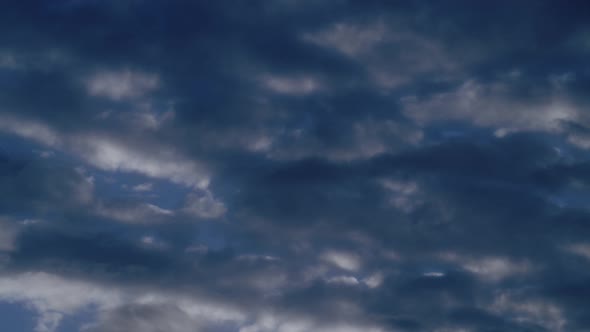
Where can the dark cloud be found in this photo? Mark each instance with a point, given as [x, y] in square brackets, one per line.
[295, 165]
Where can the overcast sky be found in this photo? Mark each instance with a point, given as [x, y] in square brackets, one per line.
[294, 166]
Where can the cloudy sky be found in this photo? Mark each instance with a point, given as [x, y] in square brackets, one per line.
[294, 166]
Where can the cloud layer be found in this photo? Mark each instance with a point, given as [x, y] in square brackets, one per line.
[295, 166]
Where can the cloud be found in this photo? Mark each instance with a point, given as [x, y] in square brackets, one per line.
[492, 105]
[121, 309]
[8, 60]
[546, 314]
[580, 249]
[110, 155]
[492, 268]
[7, 235]
[31, 130]
[53, 297]
[143, 187]
[119, 85]
[133, 212]
[114, 155]
[394, 52]
[36, 188]
[204, 205]
[291, 86]
[350, 39]
[295, 166]
[344, 280]
[343, 260]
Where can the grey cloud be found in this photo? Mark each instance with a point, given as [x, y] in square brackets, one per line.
[295, 165]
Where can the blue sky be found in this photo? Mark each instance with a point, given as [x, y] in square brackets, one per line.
[294, 166]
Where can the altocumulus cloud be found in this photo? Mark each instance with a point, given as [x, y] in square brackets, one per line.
[294, 166]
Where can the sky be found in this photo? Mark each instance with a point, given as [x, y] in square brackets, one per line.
[294, 166]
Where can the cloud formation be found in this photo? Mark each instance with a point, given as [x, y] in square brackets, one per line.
[295, 166]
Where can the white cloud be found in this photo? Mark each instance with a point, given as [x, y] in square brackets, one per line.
[274, 322]
[152, 120]
[343, 280]
[46, 154]
[259, 144]
[392, 53]
[136, 308]
[405, 195]
[434, 274]
[143, 187]
[118, 85]
[204, 205]
[490, 268]
[116, 155]
[31, 130]
[581, 249]
[161, 162]
[497, 268]
[373, 281]
[492, 105]
[112, 154]
[53, 297]
[151, 242]
[342, 260]
[254, 257]
[135, 213]
[297, 86]
[534, 311]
